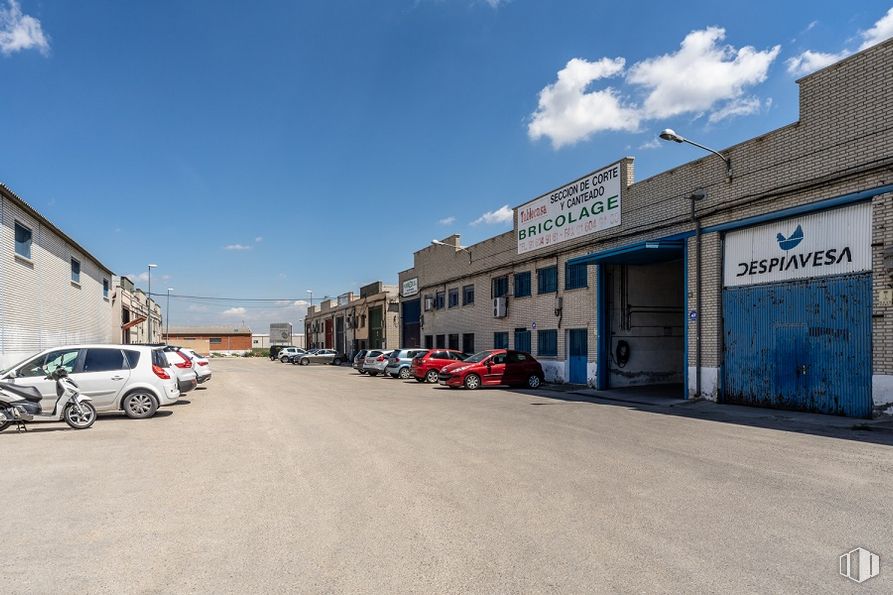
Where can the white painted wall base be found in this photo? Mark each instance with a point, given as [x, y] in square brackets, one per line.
[882, 392]
[555, 370]
[591, 374]
[709, 383]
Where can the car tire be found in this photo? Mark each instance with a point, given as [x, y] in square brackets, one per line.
[403, 374]
[284, 360]
[336, 361]
[472, 382]
[139, 404]
[534, 381]
[305, 361]
[431, 376]
[373, 373]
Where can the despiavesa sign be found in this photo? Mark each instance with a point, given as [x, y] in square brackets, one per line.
[586, 205]
[826, 243]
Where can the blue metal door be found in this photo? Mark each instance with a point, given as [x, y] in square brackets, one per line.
[578, 354]
[802, 345]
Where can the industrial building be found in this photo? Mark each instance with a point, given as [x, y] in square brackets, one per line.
[761, 275]
[52, 290]
[350, 323]
[132, 309]
[262, 341]
[223, 340]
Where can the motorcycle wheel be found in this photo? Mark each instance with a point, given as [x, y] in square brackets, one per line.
[4, 425]
[80, 420]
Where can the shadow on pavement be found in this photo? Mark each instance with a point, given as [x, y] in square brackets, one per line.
[846, 428]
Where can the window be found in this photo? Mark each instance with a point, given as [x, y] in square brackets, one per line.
[454, 297]
[468, 343]
[104, 360]
[215, 340]
[500, 286]
[23, 240]
[44, 365]
[133, 358]
[105, 288]
[575, 276]
[467, 295]
[516, 357]
[438, 300]
[522, 339]
[454, 342]
[500, 340]
[522, 284]
[440, 341]
[547, 343]
[75, 270]
[547, 280]
[363, 321]
[429, 341]
[499, 358]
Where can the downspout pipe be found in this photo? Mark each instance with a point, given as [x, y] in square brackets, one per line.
[696, 196]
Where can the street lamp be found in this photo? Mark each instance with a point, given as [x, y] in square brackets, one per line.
[456, 248]
[167, 316]
[149, 301]
[668, 134]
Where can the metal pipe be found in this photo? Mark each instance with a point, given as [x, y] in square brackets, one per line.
[697, 298]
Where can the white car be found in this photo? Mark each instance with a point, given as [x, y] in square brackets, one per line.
[289, 353]
[187, 379]
[135, 379]
[376, 361]
[200, 364]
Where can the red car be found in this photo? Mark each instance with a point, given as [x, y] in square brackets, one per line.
[426, 367]
[493, 368]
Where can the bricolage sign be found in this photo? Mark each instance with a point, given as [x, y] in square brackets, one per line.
[585, 206]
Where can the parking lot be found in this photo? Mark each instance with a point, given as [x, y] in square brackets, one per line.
[286, 478]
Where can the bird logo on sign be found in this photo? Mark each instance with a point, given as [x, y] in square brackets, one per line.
[792, 241]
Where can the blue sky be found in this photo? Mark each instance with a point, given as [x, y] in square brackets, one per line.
[262, 149]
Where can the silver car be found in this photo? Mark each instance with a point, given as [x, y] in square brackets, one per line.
[400, 362]
[376, 361]
[135, 379]
[320, 356]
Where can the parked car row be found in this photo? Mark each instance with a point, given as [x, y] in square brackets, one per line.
[303, 357]
[133, 379]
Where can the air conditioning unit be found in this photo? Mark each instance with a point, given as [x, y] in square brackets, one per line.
[429, 303]
[500, 309]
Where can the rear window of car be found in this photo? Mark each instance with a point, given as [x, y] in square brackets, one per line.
[133, 358]
[373, 353]
[104, 360]
[159, 359]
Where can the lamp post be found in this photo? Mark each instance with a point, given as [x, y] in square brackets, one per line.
[669, 134]
[456, 248]
[310, 291]
[149, 302]
[167, 316]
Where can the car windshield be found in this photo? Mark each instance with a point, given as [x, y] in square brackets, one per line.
[479, 356]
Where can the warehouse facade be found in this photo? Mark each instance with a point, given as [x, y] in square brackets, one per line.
[350, 323]
[766, 282]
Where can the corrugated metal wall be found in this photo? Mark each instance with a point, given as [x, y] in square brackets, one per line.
[802, 345]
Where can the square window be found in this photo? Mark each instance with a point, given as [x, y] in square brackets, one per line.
[23, 240]
[500, 286]
[438, 300]
[441, 341]
[454, 297]
[500, 340]
[454, 342]
[547, 280]
[522, 340]
[522, 284]
[575, 276]
[75, 270]
[429, 341]
[468, 343]
[547, 343]
[105, 288]
[467, 295]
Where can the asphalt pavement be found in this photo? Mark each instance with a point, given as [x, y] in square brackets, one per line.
[279, 478]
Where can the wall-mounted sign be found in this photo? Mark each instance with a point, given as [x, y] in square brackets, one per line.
[585, 206]
[410, 287]
[826, 243]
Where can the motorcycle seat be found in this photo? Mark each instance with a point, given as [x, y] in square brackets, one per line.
[29, 393]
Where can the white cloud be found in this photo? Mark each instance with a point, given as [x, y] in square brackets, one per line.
[197, 308]
[282, 276]
[881, 31]
[259, 239]
[699, 75]
[502, 215]
[567, 113]
[236, 311]
[143, 277]
[743, 106]
[654, 143]
[810, 61]
[237, 247]
[20, 31]
[447, 220]
[694, 79]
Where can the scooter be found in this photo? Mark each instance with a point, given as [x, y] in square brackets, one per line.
[20, 404]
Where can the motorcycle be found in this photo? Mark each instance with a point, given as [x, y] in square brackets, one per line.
[20, 404]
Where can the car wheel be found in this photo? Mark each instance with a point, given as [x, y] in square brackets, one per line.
[403, 374]
[139, 405]
[305, 361]
[472, 382]
[534, 381]
[336, 361]
[431, 376]
[283, 360]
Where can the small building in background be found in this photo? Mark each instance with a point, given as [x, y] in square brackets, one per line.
[225, 340]
[131, 308]
[262, 341]
[52, 291]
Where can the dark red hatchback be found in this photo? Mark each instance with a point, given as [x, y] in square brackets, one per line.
[494, 367]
